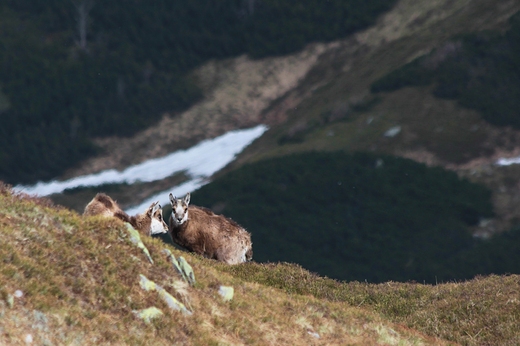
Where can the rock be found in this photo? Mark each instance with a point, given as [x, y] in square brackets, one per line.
[135, 238]
[226, 292]
[10, 300]
[174, 304]
[187, 270]
[148, 314]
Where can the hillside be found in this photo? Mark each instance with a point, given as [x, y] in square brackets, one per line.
[66, 279]
[320, 99]
[334, 107]
[72, 280]
[81, 70]
[322, 96]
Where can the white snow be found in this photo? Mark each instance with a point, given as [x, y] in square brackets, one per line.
[507, 162]
[393, 131]
[198, 162]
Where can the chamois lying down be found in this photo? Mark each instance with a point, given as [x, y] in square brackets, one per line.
[148, 223]
[214, 236]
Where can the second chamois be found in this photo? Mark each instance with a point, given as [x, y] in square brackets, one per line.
[148, 223]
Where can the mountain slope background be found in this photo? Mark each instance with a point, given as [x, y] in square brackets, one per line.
[325, 98]
[81, 69]
[354, 217]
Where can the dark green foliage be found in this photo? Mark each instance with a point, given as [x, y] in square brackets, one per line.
[412, 74]
[480, 71]
[60, 97]
[352, 217]
[498, 255]
[281, 27]
[134, 65]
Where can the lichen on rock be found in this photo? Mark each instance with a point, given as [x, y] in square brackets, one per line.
[174, 304]
[135, 238]
[148, 314]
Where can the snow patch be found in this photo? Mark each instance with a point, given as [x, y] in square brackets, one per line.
[507, 162]
[199, 162]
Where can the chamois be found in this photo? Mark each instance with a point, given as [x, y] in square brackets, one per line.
[148, 223]
[214, 236]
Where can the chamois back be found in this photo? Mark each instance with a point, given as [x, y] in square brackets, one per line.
[202, 231]
[104, 205]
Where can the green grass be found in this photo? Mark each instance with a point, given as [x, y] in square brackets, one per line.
[429, 124]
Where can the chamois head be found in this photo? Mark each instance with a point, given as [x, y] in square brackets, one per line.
[154, 213]
[180, 209]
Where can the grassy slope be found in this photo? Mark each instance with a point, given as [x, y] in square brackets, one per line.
[79, 278]
[482, 311]
[80, 282]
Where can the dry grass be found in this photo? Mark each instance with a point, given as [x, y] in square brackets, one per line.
[67, 280]
[482, 311]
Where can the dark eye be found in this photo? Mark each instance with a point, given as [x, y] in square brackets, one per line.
[160, 217]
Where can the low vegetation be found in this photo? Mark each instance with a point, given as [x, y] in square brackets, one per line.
[66, 279]
[481, 311]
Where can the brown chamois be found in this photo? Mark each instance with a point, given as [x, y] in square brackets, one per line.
[148, 223]
[214, 236]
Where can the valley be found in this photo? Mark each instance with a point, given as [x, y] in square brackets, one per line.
[319, 100]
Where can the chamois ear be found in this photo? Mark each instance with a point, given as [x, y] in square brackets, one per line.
[151, 208]
[187, 198]
[156, 207]
[172, 199]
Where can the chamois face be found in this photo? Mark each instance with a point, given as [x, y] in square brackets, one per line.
[157, 224]
[180, 209]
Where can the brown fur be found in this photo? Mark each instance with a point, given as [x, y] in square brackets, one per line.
[104, 205]
[208, 234]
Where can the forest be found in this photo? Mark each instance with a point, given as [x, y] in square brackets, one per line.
[72, 70]
[480, 71]
[363, 217]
